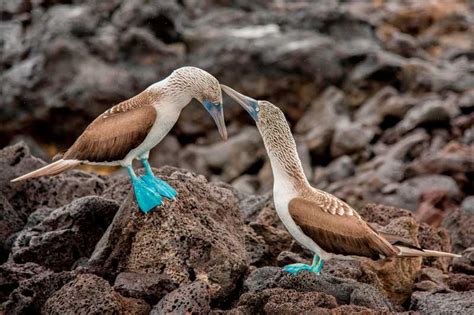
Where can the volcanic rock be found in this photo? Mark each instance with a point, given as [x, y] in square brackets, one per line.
[89, 294]
[198, 236]
[193, 298]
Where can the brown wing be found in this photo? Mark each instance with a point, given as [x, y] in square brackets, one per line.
[113, 134]
[338, 234]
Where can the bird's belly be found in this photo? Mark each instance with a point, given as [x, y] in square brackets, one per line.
[158, 131]
[281, 206]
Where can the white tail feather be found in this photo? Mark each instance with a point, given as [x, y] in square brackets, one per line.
[50, 169]
[413, 252]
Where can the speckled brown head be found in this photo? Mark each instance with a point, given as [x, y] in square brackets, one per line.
[192, 82]
[275, 131]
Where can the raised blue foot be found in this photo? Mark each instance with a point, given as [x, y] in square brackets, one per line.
[146, 198]
[315, 267]
[157, 185]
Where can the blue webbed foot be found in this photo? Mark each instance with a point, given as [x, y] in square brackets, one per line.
[295, 268]
[159, 186]
[315, 267]
[146, 198]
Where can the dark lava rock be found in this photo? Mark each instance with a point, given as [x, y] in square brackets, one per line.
[10, 222]
[444, 303]
[284, 301]
[465, 264]
[435, 239]
[200, 235]
[66, 234]
[382, 214]
[26, 196]
[461, 282]
[31, 294]
[11, 274]
[460, 224]
[192, 298]
[346, 291]
[150, 287]
[89, 294]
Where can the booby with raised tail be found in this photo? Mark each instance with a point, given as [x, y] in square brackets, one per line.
[319, 221]
[130, 129]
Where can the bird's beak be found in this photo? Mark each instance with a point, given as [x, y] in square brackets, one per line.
[217, 113]
[248, 103]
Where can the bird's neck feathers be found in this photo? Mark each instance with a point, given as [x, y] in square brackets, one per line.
[171, 94]
[281, 148]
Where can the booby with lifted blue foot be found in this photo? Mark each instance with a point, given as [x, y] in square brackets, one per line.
[319, 221]
[130, 129]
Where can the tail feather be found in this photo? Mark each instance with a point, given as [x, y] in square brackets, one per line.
[50, 169]
[414, 252]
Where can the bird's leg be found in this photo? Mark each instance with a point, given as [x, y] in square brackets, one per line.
[157, 185]
[315, 267]
[146, 198]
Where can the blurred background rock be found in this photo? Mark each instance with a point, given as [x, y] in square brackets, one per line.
[379, 94]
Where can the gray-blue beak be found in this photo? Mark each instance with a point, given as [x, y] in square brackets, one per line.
[217, 113]
[248, 103]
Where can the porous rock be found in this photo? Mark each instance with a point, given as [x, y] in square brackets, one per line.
[11, 274]
[444, 303]
[89, 294]
[66, 234]
[200, 235]
[32, 293]
[460, 224]
[146, 286]
[26, 196]
[395, 276]
[346, 291]
[192, 298]
[284, 301]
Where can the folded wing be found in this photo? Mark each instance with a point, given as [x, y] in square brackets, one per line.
[342, 234]
[116, 132]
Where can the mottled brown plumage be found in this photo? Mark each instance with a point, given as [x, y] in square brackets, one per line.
[114, 133]
[338, 234]
[316, 219]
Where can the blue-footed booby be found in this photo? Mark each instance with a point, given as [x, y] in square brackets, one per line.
[130, 129]
[319, 221]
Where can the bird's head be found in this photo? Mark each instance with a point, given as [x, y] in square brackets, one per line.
[205, 88]
[263, 112]
[251, 105]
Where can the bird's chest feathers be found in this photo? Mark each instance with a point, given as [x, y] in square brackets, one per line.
[166, 118]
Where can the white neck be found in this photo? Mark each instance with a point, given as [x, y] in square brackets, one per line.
[288, 174]
[170, 94]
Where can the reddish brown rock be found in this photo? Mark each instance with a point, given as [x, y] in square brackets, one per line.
[460, 225]
[382, 214]
[192, 298]
[146, 286]
[89, 294]
[200, 235]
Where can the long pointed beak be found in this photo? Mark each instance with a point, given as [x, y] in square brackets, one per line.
[248, 103]
[217, 113]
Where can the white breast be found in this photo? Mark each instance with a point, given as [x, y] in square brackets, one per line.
[283, 193]
[166, 117]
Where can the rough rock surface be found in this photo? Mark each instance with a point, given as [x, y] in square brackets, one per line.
[445, 303]
[345, 291]
[379, 94]
[146, 286]
[192, 298]
[89, 294]
[209, 243]
[66, 234]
